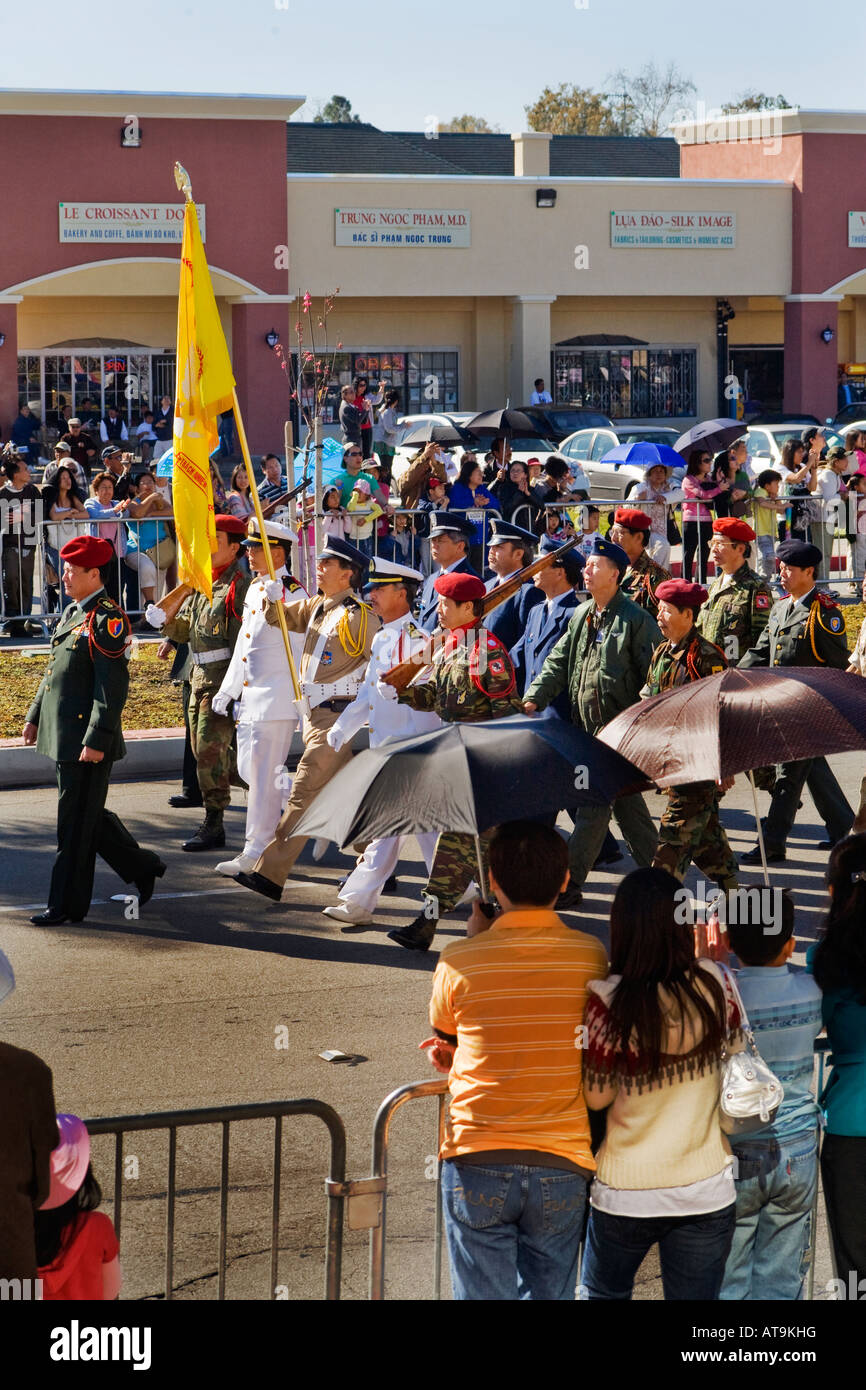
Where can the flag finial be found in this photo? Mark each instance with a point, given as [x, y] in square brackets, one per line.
[181, 178]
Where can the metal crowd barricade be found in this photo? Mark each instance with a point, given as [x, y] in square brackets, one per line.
[822, 1047]
[225, 1115]
[379, 1179]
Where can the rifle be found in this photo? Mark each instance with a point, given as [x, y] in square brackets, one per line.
[402, 676]
[172, 602]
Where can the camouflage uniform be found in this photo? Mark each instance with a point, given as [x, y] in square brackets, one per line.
[736, 611]
[468, 685]
[641, 580]
[209, 628]
[690, 828]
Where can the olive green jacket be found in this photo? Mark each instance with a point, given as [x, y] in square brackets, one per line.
[734, 617]
[630, 636]
[80, 700]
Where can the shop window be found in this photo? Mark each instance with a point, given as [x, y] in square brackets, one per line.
[627, 383]
[425, 381]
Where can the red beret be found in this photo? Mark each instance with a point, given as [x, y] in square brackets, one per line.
[88, 552]
[462, 588]
[681, 594]
[232, 525]
[633, 519]
[733, 528]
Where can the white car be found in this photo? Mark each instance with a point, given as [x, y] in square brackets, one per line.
[406, 423]
[585, 449]
[765, 442]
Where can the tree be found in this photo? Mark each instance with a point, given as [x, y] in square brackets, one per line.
[756, 101]
[643, 100]
[468, 125]
[570, 110]
[337, 111]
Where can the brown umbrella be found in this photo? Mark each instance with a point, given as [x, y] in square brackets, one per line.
[714, 728]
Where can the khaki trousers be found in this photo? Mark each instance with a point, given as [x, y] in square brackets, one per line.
[317, 766]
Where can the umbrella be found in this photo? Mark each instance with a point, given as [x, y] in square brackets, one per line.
[428, 433]
[739, 720]
[497, 423]
[466, 778]
[644, 455]
[711, 435]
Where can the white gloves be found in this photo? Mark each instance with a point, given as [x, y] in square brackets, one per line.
[155, 616]
[221, 702]
[335, 739]
[386, 691]
[273, 590]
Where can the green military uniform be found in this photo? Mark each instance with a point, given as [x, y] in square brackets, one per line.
[809, 631]
[640, 581]
[690, 828]
[601, 660]
[211, 629]
[79, 705]
[736, 611]
[470, 683]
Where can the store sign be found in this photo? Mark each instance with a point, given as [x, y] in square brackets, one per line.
[653, 229]
[857, 228]
[436, 227]
[124, 221]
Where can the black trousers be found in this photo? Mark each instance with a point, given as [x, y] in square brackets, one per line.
[85, 829]
[189, 783]
[843, 1176]
[825, 791]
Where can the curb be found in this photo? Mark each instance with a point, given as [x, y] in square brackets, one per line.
[150, 755]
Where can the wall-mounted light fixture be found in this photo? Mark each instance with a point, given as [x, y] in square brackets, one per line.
[545, 197]
[827, 334]
[272, 338]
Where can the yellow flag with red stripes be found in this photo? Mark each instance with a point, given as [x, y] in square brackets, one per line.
[205, 386]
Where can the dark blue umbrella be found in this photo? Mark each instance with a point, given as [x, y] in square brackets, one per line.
[466, 778]
[644, 455]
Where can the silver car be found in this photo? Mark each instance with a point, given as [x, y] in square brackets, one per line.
[586, 448]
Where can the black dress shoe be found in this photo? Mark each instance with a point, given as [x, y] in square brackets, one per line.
[50, 918]
[570, 900]
[774, 856]
[145, 885]
[259, 884]
[612, 858]
[182, 800]
[390, 884]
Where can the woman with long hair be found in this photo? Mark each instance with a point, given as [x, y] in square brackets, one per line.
[467, 493]
[838, 963]
[66, 513]
[799, 478]
[238, 500]
[515, 498]
[655, 1029]
[699, 490]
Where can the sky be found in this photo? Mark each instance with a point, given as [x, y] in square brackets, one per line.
[402, 62]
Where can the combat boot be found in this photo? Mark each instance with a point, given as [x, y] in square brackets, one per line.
[210, 834]
[418, 936]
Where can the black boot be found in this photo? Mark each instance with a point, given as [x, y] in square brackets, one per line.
[418, 936]
[210, 834]
[184, 799]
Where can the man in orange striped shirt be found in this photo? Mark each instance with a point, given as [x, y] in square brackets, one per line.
[507, 1012]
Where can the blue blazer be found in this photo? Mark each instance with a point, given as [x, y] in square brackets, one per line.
[429, 602]
[508, 621]
[543, 631]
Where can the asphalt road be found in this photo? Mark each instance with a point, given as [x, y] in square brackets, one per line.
[185, 1007]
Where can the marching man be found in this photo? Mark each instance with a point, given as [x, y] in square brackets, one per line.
[391, 590]
[258, 677]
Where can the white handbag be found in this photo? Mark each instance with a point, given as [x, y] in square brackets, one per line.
[750, 1093]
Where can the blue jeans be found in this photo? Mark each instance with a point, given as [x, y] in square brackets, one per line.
[776, 1186]
[692, 1251]
[513, 1230]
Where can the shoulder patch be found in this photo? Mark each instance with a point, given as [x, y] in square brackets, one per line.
[115, 627]
[826, 600]
[835, 621]
[763, 601]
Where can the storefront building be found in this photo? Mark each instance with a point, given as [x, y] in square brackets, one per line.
[637, 277]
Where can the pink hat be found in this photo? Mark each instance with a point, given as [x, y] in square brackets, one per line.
[362, 485]
[69, 1161]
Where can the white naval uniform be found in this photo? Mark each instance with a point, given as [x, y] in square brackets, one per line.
[387, 719]
[258, 676]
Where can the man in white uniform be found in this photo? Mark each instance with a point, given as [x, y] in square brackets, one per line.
[258, 677]
[391, 590]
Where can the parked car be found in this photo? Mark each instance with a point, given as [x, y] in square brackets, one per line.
[557, 422]
[585, 448]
